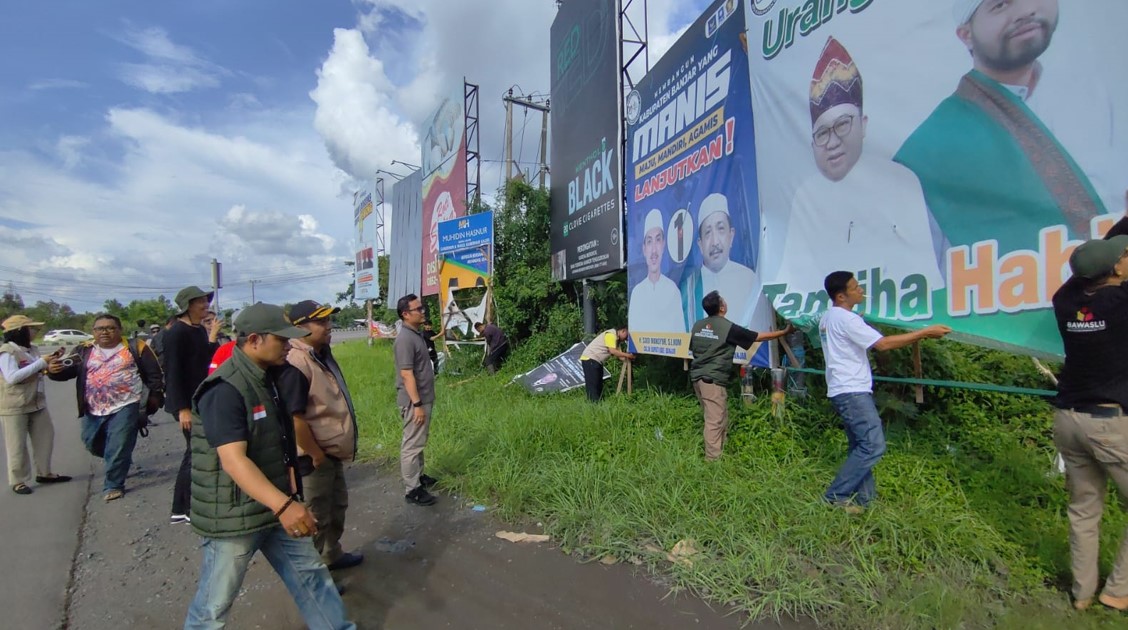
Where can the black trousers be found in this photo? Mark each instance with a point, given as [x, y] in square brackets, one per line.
[496, 357]
[182, 491]
[593, 379]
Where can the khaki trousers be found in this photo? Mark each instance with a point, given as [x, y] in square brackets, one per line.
[411, 450]
[17, 428]
[327, 497]
[1095, 449]
[714, 405]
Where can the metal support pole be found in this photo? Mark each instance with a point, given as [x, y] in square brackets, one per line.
[589, 310]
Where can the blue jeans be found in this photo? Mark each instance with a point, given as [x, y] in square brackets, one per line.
[294, 560]
[121, 436]
[867, 444]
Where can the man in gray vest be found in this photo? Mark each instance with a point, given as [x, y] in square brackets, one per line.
[713, 342]
[246, 496]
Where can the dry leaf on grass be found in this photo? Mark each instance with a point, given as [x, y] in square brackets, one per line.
[522, 537]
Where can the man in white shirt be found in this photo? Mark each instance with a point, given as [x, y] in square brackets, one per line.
[718, 272]
[849, 384]
[655, 305]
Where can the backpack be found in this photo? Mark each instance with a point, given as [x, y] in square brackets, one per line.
[97, 447]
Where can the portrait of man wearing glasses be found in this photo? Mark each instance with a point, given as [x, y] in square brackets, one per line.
[861, 210]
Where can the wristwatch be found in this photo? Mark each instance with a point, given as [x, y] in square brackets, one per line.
[417, 404]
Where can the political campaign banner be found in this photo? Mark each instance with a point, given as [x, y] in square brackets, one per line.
[693, 215]
[950, 154]
[469, 232]
[444, 178]
[366, 284]
[561, 373]
[406, 242]
[586, 192]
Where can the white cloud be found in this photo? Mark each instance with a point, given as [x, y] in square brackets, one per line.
[354, 110]
[151, 219]
[57, 84]
[70, 148]
[169, 68]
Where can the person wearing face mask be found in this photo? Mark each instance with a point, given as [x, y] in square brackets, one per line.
[23, 405]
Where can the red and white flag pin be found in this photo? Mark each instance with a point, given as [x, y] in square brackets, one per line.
[259, 412]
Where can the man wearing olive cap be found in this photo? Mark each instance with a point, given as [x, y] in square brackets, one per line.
[1090, 423]
[655, 304]
[718, 272]
[996, 156]
[246, 495]
[187, 349]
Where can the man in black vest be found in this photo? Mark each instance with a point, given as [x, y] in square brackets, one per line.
[246, 496]
[713, 342]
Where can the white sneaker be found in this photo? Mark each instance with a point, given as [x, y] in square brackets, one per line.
[179, 518]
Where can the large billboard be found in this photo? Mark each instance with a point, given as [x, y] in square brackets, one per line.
[586, 195]
[406, 243]
[444, 178]
[466, 251]
[950, 154]
[366, 285]
[693, 214]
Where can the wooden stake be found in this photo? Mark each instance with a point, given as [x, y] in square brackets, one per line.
[622, 375]
[630, 377]
[918, 372]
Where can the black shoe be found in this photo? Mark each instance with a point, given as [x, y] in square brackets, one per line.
[427, 481]
[420, 496]
[52, 479]
[346, 561]
[340, 589]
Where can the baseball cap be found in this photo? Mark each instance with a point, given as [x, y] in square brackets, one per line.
[265, 319]
[15, 322]
[154, 327]
[1096, 258]
[187, 294]
[308, 310]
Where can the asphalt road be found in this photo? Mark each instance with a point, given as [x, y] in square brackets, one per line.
[442, 567]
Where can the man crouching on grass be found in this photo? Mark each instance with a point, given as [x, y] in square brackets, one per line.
[245, 493]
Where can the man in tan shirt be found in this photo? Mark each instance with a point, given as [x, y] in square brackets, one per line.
[314, 391]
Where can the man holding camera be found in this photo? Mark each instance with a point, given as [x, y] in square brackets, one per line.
[111, 378]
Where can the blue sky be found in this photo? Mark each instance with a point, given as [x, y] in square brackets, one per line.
[142, 139]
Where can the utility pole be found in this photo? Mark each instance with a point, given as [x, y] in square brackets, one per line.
[253, 290]
[544, 143]
[508, 135]
[529, 103]
[217, 282]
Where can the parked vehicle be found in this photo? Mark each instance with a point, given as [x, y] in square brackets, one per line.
[66, 337]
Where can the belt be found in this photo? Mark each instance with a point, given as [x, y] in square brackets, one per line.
[1099, 411]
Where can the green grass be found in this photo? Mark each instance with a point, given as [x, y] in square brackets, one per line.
[969, 531]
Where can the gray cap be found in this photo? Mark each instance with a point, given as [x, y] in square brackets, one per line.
[264, 319]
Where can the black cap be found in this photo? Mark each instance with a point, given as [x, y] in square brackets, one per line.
[308, 311]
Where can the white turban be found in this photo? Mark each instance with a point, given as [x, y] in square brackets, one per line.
[653, 220]
[962, 10]
[712, 204]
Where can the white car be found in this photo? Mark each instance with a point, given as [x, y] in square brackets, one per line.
[66, 337]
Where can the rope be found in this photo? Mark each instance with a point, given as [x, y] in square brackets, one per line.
[986, 387]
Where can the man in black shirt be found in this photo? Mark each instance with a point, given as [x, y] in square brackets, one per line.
[497, 346]
[1090, 423]
[245, 496]
[187, 349]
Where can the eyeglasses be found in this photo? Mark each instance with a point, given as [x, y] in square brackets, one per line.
[841, 128]
[418, 308]
[105, 329]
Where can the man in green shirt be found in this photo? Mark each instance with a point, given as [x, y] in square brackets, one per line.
[713, 342]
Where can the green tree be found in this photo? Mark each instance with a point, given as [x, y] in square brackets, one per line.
[10, 304]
